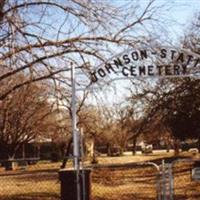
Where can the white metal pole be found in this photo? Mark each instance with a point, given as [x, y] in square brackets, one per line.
[82, 166]
[75, 131]
[163, 179]
[74, 120]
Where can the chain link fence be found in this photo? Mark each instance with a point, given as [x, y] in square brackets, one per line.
[185, 188]
[108, 182]
[135, 181]
[130, 181]
[30, 182]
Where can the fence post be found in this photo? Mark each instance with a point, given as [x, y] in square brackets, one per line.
[82, 162]
[171, 181]
[159, 186]
[158, 179]
[163, 181]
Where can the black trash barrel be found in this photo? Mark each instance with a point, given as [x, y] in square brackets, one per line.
[69, 184]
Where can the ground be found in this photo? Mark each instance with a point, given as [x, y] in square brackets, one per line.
[40, 181]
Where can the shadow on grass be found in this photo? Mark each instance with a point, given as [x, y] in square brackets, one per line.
[32, 196]
[124, 197]
[27, 172]
[183, 197]
[158, 161]
[31, 176]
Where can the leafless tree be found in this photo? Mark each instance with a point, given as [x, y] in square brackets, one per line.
[25, 117]
[42, 38]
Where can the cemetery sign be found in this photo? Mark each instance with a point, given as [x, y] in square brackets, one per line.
[136, 64]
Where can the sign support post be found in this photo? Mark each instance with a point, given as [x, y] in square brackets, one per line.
[75, 132]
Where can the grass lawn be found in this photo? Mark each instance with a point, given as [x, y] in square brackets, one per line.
[136, 158]
[40, 181]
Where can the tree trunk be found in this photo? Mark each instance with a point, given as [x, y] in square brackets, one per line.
[176, 147]
[2, 3]
[168, 147]
[23, 151]
[108, 149]
[4, 153]
[198, 144]
[94, 156]
[121, 151]
[62, 148]
[37, 153]
[7, 151]
[134, 146]
[66, 157]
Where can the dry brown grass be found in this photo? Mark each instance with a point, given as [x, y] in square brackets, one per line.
[139, 183]
[135, 158]
[40, 181]
[124, 183]
[184, 187]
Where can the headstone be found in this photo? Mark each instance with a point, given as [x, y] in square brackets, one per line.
[196, 171]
